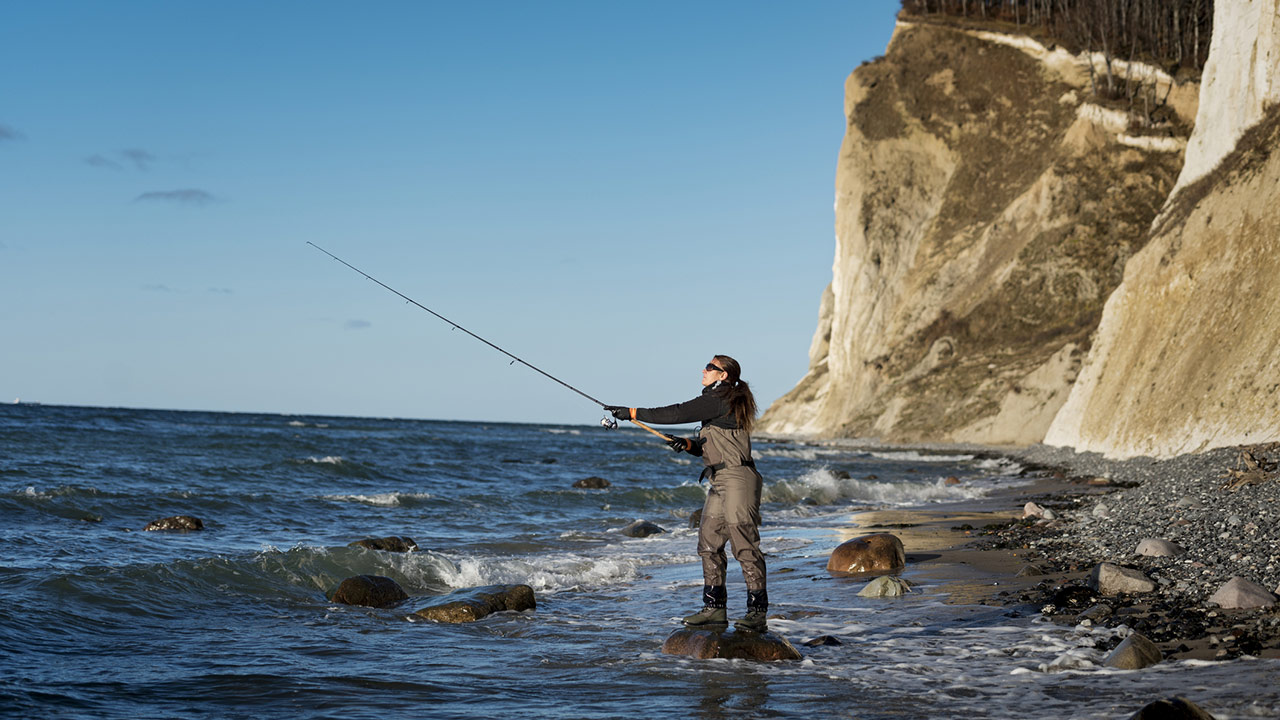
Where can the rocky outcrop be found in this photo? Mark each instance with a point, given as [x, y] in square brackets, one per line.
[181, 523]
[877, 553]
[730, 644]
[387, 544]
[641, 529]
[985, 210]
[370, 591]
[473, 604]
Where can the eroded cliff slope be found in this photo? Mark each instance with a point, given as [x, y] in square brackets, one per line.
[985, 211]
[1187, 356]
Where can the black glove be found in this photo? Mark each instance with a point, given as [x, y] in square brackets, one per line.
[677, 444]
[621, 413]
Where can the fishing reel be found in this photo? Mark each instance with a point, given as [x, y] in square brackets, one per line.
[608, 422]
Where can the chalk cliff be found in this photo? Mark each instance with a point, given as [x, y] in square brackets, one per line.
[1187, 356]
[1015, 264]
[985, 210]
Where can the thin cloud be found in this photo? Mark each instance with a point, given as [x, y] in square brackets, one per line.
[188, 196]
[141, 159]
[222, 291]
[358, 324]
[103, 162]
[8, 133]
[158, 287]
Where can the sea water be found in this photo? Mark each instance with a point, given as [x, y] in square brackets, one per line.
[99, 619]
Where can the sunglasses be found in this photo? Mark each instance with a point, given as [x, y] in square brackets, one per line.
[713, 368]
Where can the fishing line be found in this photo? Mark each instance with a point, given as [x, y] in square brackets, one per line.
[456, 326]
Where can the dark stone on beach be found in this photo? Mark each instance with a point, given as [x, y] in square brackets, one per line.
[388, 544]
[822, 640]
[878, 553]
[473, 604]
[182, 523]
[1175, 708]
[840, 474]
[369, 591]
[695, 519]
[641, 528]
[730, 645]
[1073, 596]
[592, 483]
[1135, 653]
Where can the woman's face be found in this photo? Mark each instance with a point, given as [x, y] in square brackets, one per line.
[712, 374]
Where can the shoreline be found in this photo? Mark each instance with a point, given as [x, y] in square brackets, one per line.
[985, 552]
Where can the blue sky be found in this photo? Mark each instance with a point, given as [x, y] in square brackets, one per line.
[614, 191]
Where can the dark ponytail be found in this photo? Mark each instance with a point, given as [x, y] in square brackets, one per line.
[738, 394]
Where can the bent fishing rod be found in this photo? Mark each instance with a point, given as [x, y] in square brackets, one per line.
[608, 422]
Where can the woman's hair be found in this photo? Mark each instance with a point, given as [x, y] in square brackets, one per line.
[738, 393]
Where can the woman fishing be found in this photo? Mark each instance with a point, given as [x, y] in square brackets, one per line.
[731, 514]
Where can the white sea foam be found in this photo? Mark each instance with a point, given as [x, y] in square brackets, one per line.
[914, 456]
[561, 431]
[805, 452]
[823, 487]
[297, 423]
[389, 499]
[326, 460]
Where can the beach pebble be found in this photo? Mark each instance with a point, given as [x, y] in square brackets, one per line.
[1100, 511]
[369, 591]
[1033, 510]
[471, 604]
[875, 553]
[182, 523]
[885, 586]
[1239, 593]
[1186, 501]
[1175, 708]
[729, 645]
[641, 528]
[592, 483]
[387, 544]
[1135, 653]
[1030, 570]
[823, 640]
[1154, 547]
[1110, 579]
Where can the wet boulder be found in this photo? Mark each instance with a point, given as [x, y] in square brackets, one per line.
[388, 544]
[877, 553]
[730, 645]
[1111, 579]
[369, 591]
[181, 523]
[641, 528]
[885, 586]
[695, 519]
[592, 483]
[1175, 708]
[469, 605]
[1135, 653]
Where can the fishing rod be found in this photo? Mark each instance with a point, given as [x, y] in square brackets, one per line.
[608, 422]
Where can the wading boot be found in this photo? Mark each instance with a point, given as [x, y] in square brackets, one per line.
[713, 612]
[757, 609]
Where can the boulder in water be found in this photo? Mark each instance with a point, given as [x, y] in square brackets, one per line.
[388, 544]
[877, 553]
[369, 591]
[1135, 653]
[474, 603]
[1175, 708]
[641, 528]
[729, 644]
[592, 483]
[885, 586]
[182, 523]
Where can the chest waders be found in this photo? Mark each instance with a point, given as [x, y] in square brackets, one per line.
[730, 515]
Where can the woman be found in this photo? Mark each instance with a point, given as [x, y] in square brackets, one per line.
[731, 514]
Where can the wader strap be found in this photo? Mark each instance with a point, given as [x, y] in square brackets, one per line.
[710, 470]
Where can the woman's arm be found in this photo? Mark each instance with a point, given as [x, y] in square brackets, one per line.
[707, 406]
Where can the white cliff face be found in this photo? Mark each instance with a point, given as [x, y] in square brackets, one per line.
[1187, 355]
[983, 214]
[1241, 78]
